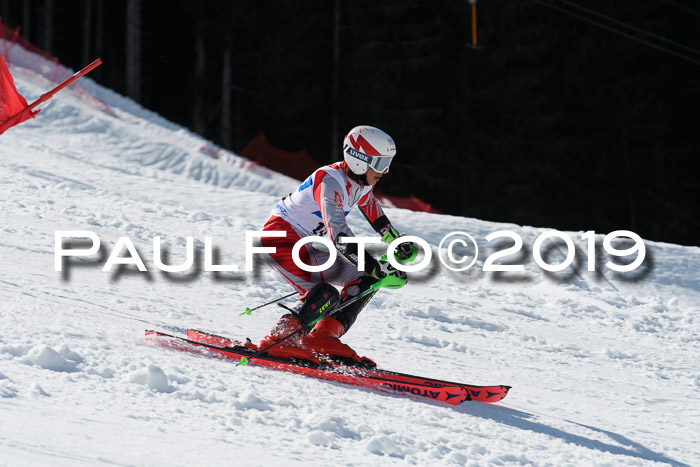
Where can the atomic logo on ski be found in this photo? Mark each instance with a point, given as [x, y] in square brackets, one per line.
[421, 391]
[412, 390]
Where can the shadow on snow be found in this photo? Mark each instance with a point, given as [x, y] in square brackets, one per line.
[523, 421]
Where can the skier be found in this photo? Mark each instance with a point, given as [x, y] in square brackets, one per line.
[319, 207]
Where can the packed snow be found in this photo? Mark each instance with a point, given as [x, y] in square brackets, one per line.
[604, 366]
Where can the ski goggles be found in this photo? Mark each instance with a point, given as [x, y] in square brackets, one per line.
[380, 163]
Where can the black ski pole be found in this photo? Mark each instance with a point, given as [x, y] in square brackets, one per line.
[249, 310]
[257, 353]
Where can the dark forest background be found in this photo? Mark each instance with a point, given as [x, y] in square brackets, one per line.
[549, 120]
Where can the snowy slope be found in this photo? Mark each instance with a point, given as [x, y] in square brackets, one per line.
[604, 369]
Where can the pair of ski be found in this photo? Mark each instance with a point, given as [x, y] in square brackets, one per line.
[201, 342]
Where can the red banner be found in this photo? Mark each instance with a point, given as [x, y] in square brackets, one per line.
[13, 107]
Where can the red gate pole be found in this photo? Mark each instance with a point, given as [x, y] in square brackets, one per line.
[48, 95]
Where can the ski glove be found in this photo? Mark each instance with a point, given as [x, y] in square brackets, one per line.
[406, 251]
[374, 268]
[380, 269]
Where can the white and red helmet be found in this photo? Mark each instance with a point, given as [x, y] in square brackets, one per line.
[366, 146]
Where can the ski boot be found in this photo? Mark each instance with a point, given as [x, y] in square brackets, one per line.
[289, 348]
[324, 343]
[310, 309]
[324, 339]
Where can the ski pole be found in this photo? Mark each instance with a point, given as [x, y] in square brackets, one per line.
[249, 310]
[257, 353]
[388, 281]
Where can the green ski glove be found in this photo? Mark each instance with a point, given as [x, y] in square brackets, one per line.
[405, 252]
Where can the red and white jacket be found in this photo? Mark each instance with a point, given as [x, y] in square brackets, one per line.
[320, 205]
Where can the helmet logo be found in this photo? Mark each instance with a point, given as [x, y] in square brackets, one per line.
[358, 155]
[362, 143]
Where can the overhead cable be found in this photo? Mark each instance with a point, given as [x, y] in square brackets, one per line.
[630, 26]
[617, 31]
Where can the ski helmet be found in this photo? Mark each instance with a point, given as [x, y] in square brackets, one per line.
[366, 146]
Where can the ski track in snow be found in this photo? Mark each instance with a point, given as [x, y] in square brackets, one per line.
[604, 369]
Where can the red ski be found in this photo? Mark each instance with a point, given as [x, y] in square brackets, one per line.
[452, 395]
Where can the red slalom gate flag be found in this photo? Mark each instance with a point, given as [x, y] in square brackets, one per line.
[14, 108]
